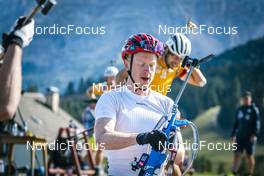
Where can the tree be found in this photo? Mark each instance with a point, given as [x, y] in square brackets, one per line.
[81, 87]
[70, 90]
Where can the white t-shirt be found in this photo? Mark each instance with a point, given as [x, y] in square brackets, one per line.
[132, 114]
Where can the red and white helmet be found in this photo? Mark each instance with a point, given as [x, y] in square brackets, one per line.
[142, 43]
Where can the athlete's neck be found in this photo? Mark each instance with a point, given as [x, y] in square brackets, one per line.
[138, 90]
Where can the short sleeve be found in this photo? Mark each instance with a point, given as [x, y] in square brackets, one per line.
[106, 106]
[182, 72]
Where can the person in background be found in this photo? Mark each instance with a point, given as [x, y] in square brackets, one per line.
[88, 120]
[245, 131]
[98, 89]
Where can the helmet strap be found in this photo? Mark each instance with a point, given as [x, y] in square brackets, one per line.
[130, 75]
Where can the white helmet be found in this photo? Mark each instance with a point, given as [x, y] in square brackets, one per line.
[110, 71]
[179, 45]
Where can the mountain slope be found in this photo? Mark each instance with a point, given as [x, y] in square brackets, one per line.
[57, 59]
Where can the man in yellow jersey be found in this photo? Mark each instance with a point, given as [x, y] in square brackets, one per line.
[98, 89]
[169, 66]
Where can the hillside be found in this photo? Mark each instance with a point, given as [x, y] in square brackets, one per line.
[57, 59]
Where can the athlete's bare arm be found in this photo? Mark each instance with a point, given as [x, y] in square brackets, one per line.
[90, 93]
[111, 139]
[197, 78]
[10, 84]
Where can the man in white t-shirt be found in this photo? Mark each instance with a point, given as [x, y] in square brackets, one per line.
[125, 117]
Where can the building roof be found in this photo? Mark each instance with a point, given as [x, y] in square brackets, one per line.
[41, 120]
